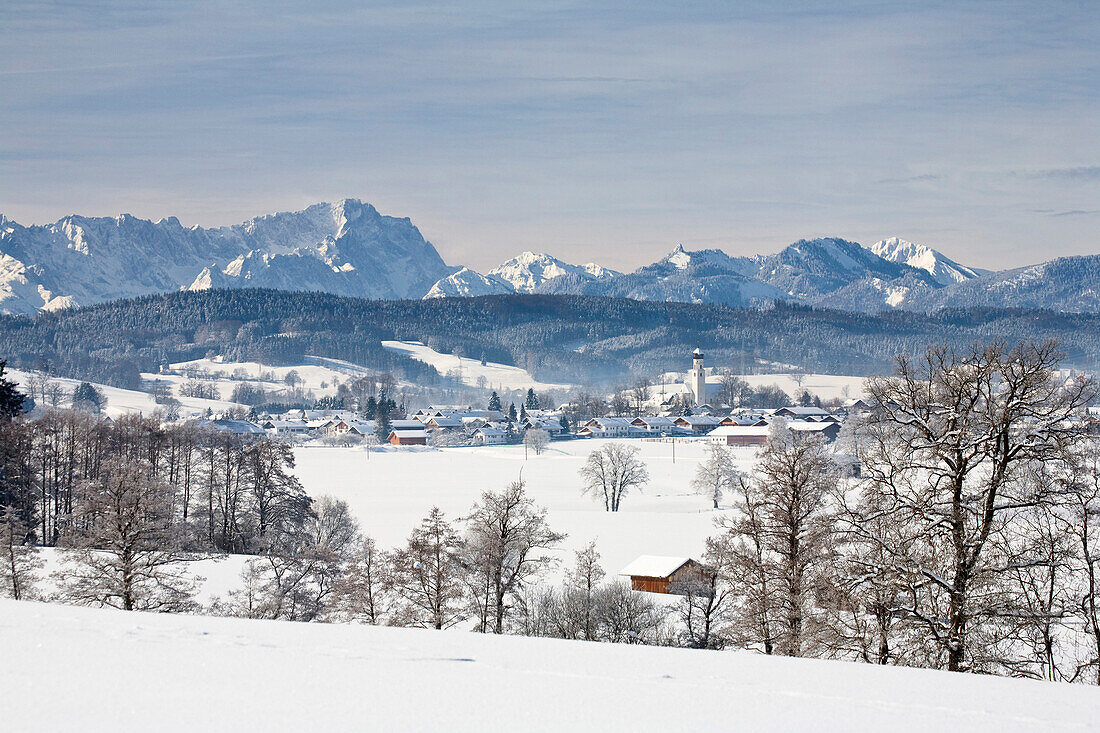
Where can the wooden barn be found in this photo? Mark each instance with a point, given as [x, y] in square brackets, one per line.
[409, 437]
[660, 574]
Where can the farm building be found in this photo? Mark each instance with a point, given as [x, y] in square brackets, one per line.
[660, 574]
[741, 435]
[408, 437]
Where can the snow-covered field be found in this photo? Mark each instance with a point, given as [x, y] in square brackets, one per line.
[106, 670]
[825, 386]
[497, 376]
[122, 401]
[391, 490]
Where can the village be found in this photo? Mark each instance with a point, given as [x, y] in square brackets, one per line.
[677, 415]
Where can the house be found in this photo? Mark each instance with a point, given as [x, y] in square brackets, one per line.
[828, 430]
[801, 413]
[489, 436]
[698, 423]
[408, 437]
[285, 427]
[742, 420]
[660, 574]
[444, 423]
[741, 435]
[655, 424]
[609, 427]
[239, 427]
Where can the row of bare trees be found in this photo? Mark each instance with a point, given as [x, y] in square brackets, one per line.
[222, 493]
[968, 541]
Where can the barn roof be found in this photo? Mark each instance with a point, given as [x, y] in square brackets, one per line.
[655, 566]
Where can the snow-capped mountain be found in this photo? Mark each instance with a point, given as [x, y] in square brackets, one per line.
[530, 270]
[346, 248]
[702, 276]
[1069, 284]
[942, 268]
[467, 283]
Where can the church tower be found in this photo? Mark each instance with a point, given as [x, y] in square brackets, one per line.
[698, 378]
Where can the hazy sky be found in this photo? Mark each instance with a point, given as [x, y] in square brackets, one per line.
[593, 131]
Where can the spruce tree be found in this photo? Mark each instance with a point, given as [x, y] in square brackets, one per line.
[11, 399]
[494, 402]
[512, 412]
[522, 413]
[382, 423]
[532, 401]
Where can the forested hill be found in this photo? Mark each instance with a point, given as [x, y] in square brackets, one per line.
[577, 339]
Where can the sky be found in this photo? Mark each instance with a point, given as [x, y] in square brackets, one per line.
[594, 131]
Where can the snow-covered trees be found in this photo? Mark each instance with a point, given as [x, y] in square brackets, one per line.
[947, 457]
[87, 398]
[427, 575]
[611, 472]
[507, 537]
[124, 554]
[19, 560]
[715, 475]
[772, 551]
[536, 439]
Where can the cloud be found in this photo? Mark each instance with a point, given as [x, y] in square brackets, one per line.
[1077, 173]
[1077, 212]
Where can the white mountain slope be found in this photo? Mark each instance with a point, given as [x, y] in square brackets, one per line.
[467, 283]
[944, 269]
[109, 670]
[530, 270]
[346, 248]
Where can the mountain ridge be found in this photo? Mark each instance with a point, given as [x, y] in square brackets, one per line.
[348, 248]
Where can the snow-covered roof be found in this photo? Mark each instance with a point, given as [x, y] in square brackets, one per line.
[800, 426]
[739, 430]
[410, 433]
[804, 411]
[654, 566]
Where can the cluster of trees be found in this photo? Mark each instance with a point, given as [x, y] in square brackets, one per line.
[967, 543]
[226, 494]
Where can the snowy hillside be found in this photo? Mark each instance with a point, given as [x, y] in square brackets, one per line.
[107, 670]
[944, 269]
[531, 270]
[123, 401]
[346, 248]
[467, 283]
[497, 376]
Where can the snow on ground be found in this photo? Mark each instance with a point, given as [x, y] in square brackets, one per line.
[825, 386]
[497, 376]
[391, 490]
[114, 670]
[121, 401]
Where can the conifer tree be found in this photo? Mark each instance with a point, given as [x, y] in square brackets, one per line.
[11, 399]
[382, 423]
[494, 402]
[512, 412]
[532, 401]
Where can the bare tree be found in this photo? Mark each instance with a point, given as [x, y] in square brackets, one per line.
[537, 440]
[124, 549]
[577, 612]
[20, 564]
[715, 475]
[949, 443]
[362, 593]
[773, 551]
[428, 575]
[611, 472]
[507, 537]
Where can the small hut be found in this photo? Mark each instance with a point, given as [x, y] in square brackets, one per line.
[660, 574]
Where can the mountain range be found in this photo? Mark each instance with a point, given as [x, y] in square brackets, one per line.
[349, 248]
